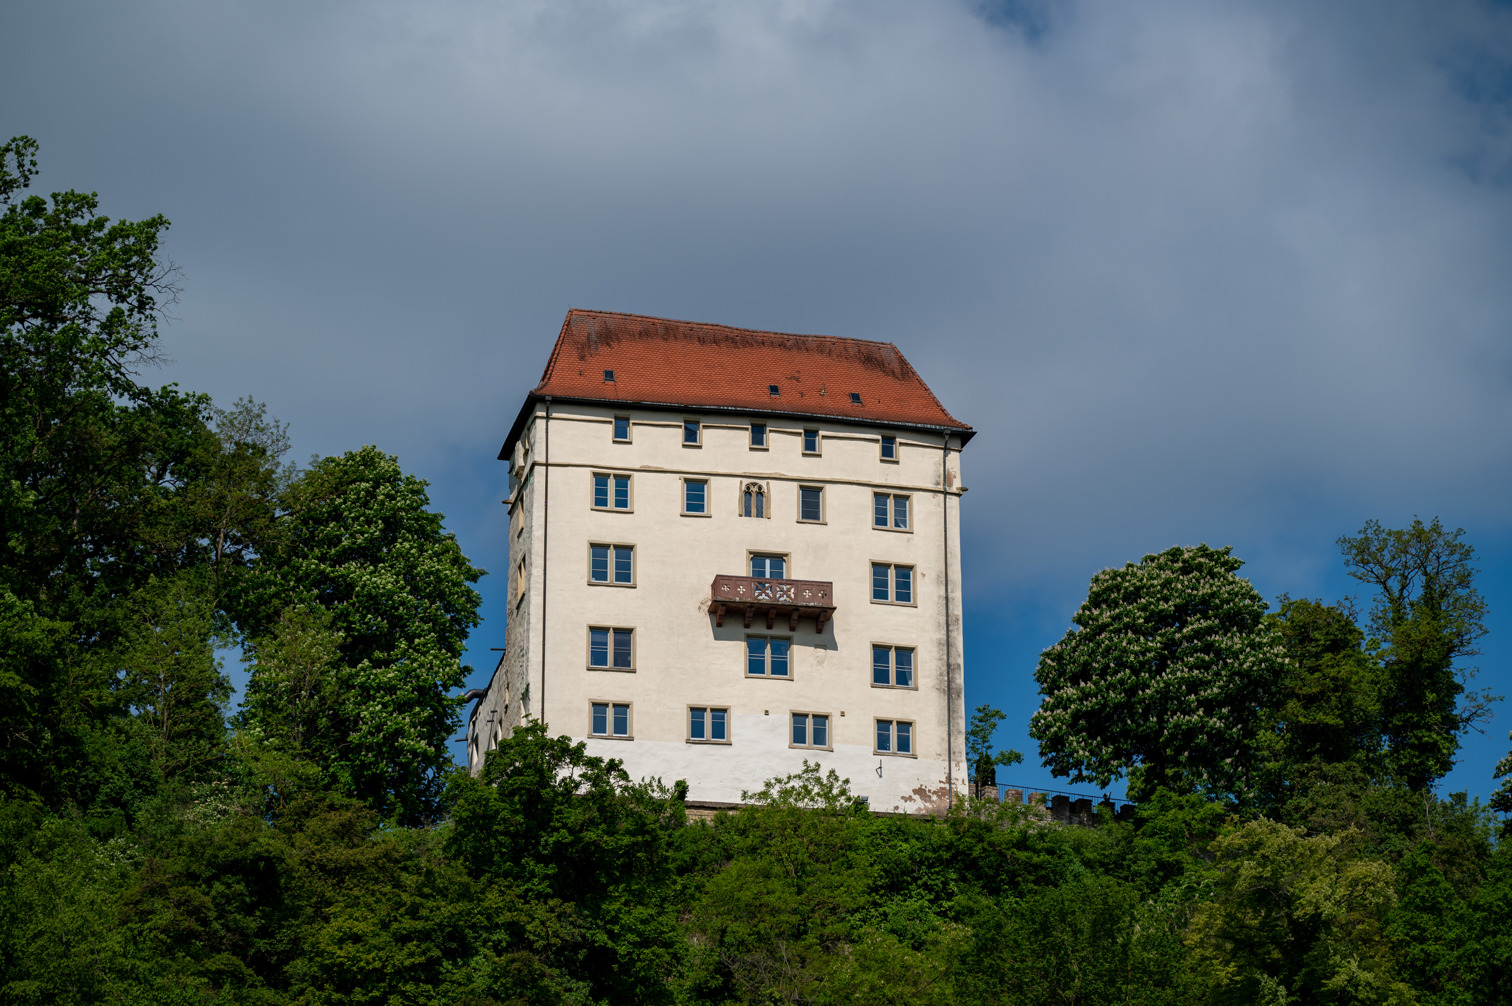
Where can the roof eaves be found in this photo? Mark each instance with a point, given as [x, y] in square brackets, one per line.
[963, 431]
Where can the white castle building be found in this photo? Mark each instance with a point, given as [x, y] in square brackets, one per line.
[732, 551]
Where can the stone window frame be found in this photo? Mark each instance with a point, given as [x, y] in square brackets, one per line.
[892, 722]
[612, 545]
[708, 710]
[610, 735]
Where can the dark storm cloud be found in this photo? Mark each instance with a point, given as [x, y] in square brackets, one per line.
[1234, 273]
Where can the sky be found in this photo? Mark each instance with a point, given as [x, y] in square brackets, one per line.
[1233, 273]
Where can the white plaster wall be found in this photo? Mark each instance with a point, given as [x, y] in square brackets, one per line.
[682, 658]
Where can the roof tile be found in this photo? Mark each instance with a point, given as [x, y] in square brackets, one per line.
[690, 364]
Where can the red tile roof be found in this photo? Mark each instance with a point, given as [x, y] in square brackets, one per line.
[684, 364]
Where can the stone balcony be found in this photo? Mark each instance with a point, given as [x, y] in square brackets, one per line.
[755, 596]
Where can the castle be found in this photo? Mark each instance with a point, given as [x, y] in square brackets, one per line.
[733, 551]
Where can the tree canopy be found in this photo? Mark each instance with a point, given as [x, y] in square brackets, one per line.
[1427, 615]
[1157, 678]
[316, 846]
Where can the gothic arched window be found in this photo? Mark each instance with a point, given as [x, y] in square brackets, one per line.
[753, 500]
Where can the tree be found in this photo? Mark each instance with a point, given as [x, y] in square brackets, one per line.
[984, 763]
[1325, 729]
[81, 443]
[1501, 800]
[1427, 616]
[358, 540]
[1160, 677]
[169, 674]
[1290, 918]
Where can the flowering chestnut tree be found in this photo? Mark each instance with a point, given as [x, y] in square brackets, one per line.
[1161, 677]
[374, 668]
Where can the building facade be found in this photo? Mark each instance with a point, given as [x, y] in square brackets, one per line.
[731, 551]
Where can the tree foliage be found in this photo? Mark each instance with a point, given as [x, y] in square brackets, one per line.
[1156, 678]
[1427, 616]
[322, 850]
[979, 754]
[359, 542]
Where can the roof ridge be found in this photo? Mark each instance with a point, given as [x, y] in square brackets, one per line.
[727, 328]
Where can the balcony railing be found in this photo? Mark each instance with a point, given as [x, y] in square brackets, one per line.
[791, 599]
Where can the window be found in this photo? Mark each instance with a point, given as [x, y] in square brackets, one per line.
[692, 433]
[519, 583]
[767, 657]
[753, 500]
[758, 436]
[890, 511]
[610, 719]
[895, 737]
[810, 730]
[611, 492]
[811, 441]
[855, 397]
[696, 497]
[608, 375]
[811, 503]
[773, 390]
[622, 429]
[708, 725]
[611, 564]
[765, 564]
[891, 583]
[892, 666]
[889, 448]
[611, 649]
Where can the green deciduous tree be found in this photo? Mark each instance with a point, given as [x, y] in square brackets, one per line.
[1161, 677]
[359, 541]
[1427, 616]
[169, 675]
[979, 754]
[1089, 942]
[1501, 800]
[82, 445]
[1293, 918]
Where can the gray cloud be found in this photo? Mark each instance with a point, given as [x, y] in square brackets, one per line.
[1234, 273]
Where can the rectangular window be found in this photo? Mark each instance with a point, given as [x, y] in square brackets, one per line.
[770, 566]
[611, 492]
[894, 737]
[708, 724]
[611, 649]
[811, 441]
[610, 719]
[892, 666]
[692, 432]
[622, 429]
[695, 496]
[810, 730]
[891, 583]
[758, 435]
[811, 503]
[890, 511]
[611, 564]
[889, 448]
[767, 657]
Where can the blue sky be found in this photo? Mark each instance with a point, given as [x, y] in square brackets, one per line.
[1226, 273]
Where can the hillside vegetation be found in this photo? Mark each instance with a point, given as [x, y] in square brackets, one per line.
[317, 845]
